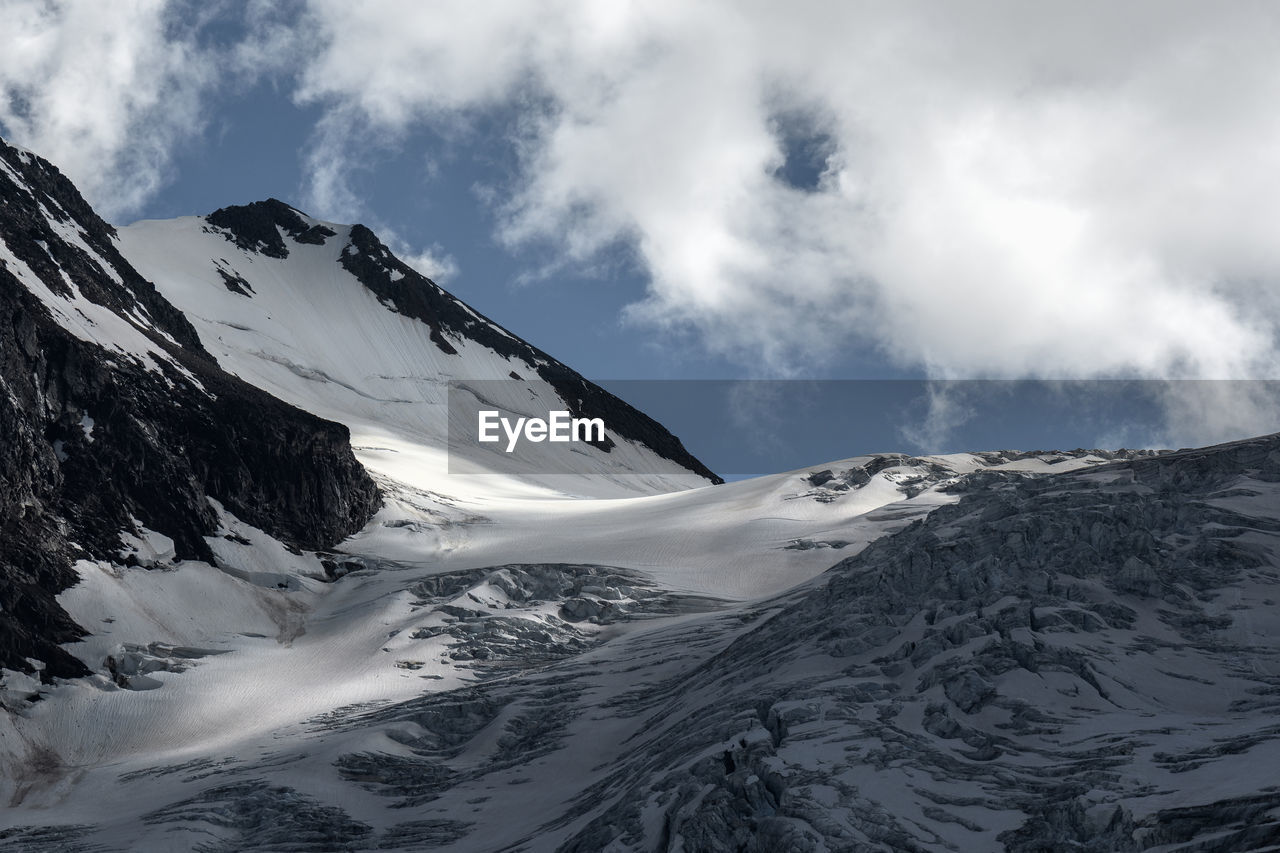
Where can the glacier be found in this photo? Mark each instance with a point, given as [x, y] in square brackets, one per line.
[977, 651]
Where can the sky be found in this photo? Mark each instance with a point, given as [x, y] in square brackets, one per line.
[730, 189]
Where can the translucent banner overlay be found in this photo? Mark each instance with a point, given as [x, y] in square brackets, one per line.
[750, 427]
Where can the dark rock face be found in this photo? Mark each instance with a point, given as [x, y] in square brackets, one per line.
[95, 438]
[235, 283]
[256, 227]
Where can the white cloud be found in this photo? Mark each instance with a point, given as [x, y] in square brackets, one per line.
[1201, 413]
[946, 409]
[329, 166]
[103, 90]
[434, 262]
[1012, 189]
[328, 193]
[1001, 188]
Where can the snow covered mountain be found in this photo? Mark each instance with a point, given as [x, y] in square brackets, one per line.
[123, 413]
[325, 317]
[221, 634]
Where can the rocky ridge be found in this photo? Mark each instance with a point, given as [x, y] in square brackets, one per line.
[103, 436]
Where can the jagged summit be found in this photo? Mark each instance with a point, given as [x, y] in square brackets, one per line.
[262, 226]
[141, 416]
[59, 244]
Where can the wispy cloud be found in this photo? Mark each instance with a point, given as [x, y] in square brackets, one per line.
[105, 90]
[946, 409]
[1200, 413]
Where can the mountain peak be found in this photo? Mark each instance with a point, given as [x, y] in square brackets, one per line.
[256, 227]
[275, 229]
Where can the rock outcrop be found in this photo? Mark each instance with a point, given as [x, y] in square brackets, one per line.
[113, 417]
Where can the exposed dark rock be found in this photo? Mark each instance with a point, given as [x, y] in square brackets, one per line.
[828, 485]
[96, 438]
[821, 477]
[235, 283]
[811, 544]
[256, 227]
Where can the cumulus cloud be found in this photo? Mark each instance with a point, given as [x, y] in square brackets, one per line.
[433, 262]
[104, 90]
[993, 188]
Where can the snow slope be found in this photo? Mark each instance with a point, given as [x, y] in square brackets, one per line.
[306, 329]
